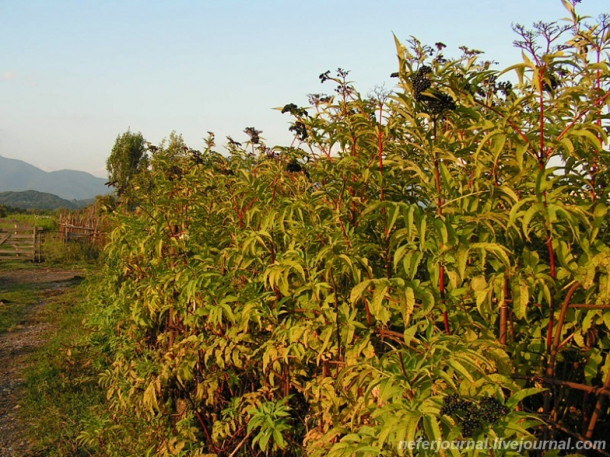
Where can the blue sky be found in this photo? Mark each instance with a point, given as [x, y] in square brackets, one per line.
[75, 74]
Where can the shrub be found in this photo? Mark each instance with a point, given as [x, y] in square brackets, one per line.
[326, 298]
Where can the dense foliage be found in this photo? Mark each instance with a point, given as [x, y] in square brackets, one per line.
[417, 264]
[127, 158]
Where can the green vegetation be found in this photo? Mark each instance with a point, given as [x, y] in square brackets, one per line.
[428, 264]
[31, 199]
[13, 302]
[128, 157]
[71, 254]
[43, 219]
[61, 385]
[55, 251]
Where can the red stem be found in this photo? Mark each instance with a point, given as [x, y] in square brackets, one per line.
[441, 275]
[380, 149]
[549, 241]
[504, 314]
[541, 154]
[368, 312]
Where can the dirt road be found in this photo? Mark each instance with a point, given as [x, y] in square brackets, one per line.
[20, 341]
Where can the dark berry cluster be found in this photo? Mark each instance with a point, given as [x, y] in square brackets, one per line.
[152, 148]
[492, 410]
[435, 102]
[472, 416]
[506, 87]
[438, 103]
[294, 166]
[492, 86]
[453, 404]
[253, 134]
[420, 81]
[174, 172]
[551, 81]
[295, 110]
[471, 422]
[316, 99]
[299, 129]
[195, 156]
[324, 76]
[233, 143]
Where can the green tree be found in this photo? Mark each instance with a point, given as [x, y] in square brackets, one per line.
[128, 157]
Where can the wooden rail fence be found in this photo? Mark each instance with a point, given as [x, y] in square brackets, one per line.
[70, 232]
[21, 243]
[85, 225]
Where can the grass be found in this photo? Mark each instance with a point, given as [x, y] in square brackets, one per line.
[14, 299]
[62, 390]
[56, 252]
[47, 222]
[12, 307]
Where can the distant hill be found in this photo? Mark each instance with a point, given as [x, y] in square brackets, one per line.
[17, 175]
[32, 199]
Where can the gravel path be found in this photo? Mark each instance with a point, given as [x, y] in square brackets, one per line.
[17, 344]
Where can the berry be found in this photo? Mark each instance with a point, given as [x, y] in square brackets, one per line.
[438, 103]
[299, 130]
[492, 410]
[294, 167]
[506, 87]
[253, 134]
[419, 80]
[470, 425]
[435, 103]
[453, 404]
[295, 110]
[289, 108]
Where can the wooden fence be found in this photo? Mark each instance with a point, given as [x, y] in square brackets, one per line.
[21, 243]
[84, 225]
[71, 232]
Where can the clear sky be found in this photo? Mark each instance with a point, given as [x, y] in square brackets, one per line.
[75, 74]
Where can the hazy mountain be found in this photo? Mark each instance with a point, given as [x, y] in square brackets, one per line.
[32, 199]
[17, 175]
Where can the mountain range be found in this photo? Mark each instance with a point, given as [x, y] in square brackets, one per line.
[17, 175]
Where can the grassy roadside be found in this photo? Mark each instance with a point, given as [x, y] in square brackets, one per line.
[62, 389]
[14, 298]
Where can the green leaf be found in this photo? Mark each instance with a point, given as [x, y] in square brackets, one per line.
[517, 397]
[433, 431]
[520, 307]
[593, 139]
[359, 290]
[457, 366]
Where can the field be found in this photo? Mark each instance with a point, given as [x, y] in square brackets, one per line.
[47, 222]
